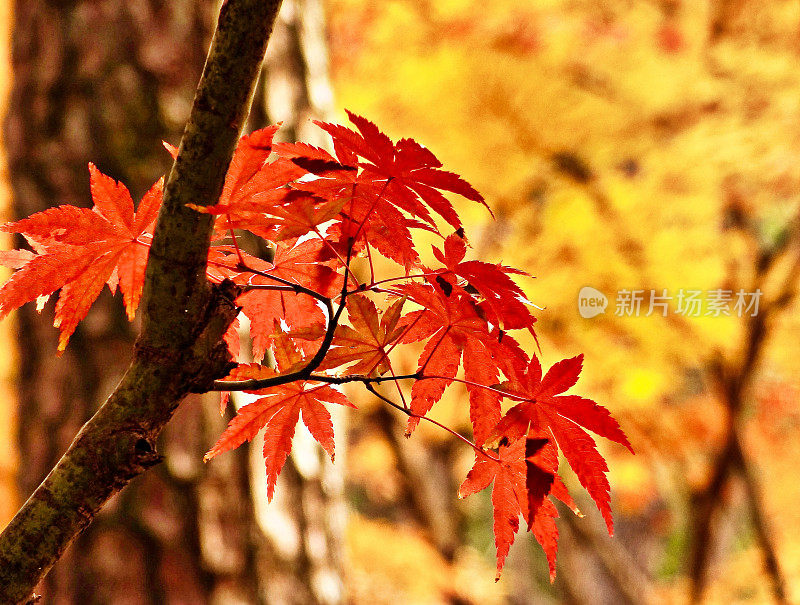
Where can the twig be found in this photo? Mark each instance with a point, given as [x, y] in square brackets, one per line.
[759, 521]
[624, 573]
[265, 383]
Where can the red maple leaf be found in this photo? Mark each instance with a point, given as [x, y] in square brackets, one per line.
[504, 303]
[279, 410]
[367, 216]
[411, 173]
[545, 411]
[453, 324]
[252, 185]
[510, 500]
[508, 494]
[524, 474]
[268, 199]
[302, 264]
[364, 345]
[397, 185]
[318, 211]
[79, 250]
[303, 215]
[382, 226]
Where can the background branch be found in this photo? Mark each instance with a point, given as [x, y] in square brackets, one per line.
[733, 385]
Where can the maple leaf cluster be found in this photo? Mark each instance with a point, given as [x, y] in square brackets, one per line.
[319, 324]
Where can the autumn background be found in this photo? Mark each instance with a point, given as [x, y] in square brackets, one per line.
[645, 146]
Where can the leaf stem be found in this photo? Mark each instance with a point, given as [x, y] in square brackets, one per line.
[372, 208]
[339, 256]
[235, 243]
[391, 279]
[243, 267]
[513, 396]
[411, 414]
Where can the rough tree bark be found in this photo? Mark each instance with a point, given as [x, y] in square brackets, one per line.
[107, 94]
[180, 348]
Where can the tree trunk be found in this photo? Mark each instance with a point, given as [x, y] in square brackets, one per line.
[107, 82]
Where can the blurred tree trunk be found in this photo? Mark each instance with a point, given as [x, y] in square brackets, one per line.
[106, 82]
[9, 498]
[303, 527]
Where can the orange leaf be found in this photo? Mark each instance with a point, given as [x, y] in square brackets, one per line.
[78, 250]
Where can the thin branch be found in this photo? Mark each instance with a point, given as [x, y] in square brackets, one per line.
[760, 524]
[270, 288]
[733, 384]
[274, 381]
[391, 279]
[243, 267]
[304, 372]
[333, 320]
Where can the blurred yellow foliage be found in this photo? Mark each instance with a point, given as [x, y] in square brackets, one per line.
[624, 146]
[393, 564]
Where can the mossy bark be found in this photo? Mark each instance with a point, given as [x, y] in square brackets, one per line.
[180, 348]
